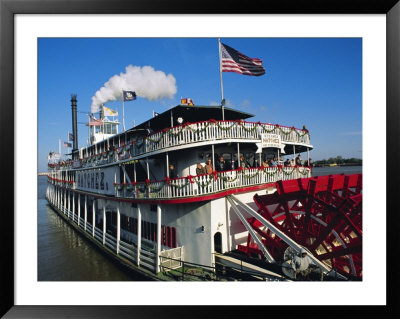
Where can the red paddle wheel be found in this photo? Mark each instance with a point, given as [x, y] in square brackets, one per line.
[323, 214]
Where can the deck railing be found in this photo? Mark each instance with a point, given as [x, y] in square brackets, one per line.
[201, 185]
[190, 133]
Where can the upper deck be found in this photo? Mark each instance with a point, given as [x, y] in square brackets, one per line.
[200, 126]
[188, 135]
[137, 162]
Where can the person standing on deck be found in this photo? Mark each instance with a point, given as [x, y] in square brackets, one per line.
[243, 163]
[172, 172]
[298, 160]
[209, 167]
[221, 165]
[200, 169]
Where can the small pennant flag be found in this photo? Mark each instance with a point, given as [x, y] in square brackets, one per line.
[129, 96]
[155, 114]
[234, 61]
[66, 144]
[108, 112]
[187, 102]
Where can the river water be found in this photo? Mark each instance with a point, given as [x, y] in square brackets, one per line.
[64, 255]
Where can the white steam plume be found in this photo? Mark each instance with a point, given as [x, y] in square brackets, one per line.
[144, 81]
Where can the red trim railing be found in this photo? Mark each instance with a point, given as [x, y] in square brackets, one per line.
[206, 184]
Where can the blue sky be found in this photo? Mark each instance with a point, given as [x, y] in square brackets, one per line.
[315, 82]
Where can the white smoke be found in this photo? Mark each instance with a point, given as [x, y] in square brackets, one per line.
[144, 81]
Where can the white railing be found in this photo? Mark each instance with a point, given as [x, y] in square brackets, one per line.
[192, 186]
[148, 259]
[192, 133]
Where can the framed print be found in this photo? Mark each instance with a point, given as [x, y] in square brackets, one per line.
[63, 56]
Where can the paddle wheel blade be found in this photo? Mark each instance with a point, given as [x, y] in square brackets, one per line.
[323, 214]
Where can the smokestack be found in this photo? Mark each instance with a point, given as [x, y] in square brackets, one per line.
[74, 126]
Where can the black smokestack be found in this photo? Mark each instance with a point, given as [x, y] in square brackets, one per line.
[74, 126]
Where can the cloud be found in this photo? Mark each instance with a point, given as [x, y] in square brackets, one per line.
[145, 81]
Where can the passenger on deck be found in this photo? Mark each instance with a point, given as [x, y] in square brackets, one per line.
[307, 163]
[243, 163]
[298, 160]
[287, 162]
[274, 162]
[200, 169]
[172, 172]
[209, 167]
[265, 164]
[221, 165]
[301, 264]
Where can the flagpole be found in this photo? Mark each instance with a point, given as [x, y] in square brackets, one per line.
[220, 74]
[123, 111]
[68, 142]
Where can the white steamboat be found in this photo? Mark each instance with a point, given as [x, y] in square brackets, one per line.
[119, 191]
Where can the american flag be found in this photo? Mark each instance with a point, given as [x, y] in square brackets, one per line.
[66, 144]
[95, 122]
[234, 61]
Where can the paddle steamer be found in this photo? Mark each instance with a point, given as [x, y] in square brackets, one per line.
[120, 193]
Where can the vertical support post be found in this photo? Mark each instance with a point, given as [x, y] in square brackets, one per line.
[238, 155]
[93, 218]
[278, 155]
[294, 154]
[124, 173]
[69, 203]
[167, 162]
[158, 238]
[115, 179]
[79, 209]
[65, 201]
[85, 213]
[147, 167]
[73, 205]
[118, 228]
[308, 156]
[212, 154]
[139, 233]
[134, 170]
[104, 225]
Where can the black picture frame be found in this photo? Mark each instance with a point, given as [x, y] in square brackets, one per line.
[8, 10]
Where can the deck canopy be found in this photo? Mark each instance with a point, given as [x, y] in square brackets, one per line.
[191, 114]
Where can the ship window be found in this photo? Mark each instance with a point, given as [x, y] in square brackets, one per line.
[114, 129]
